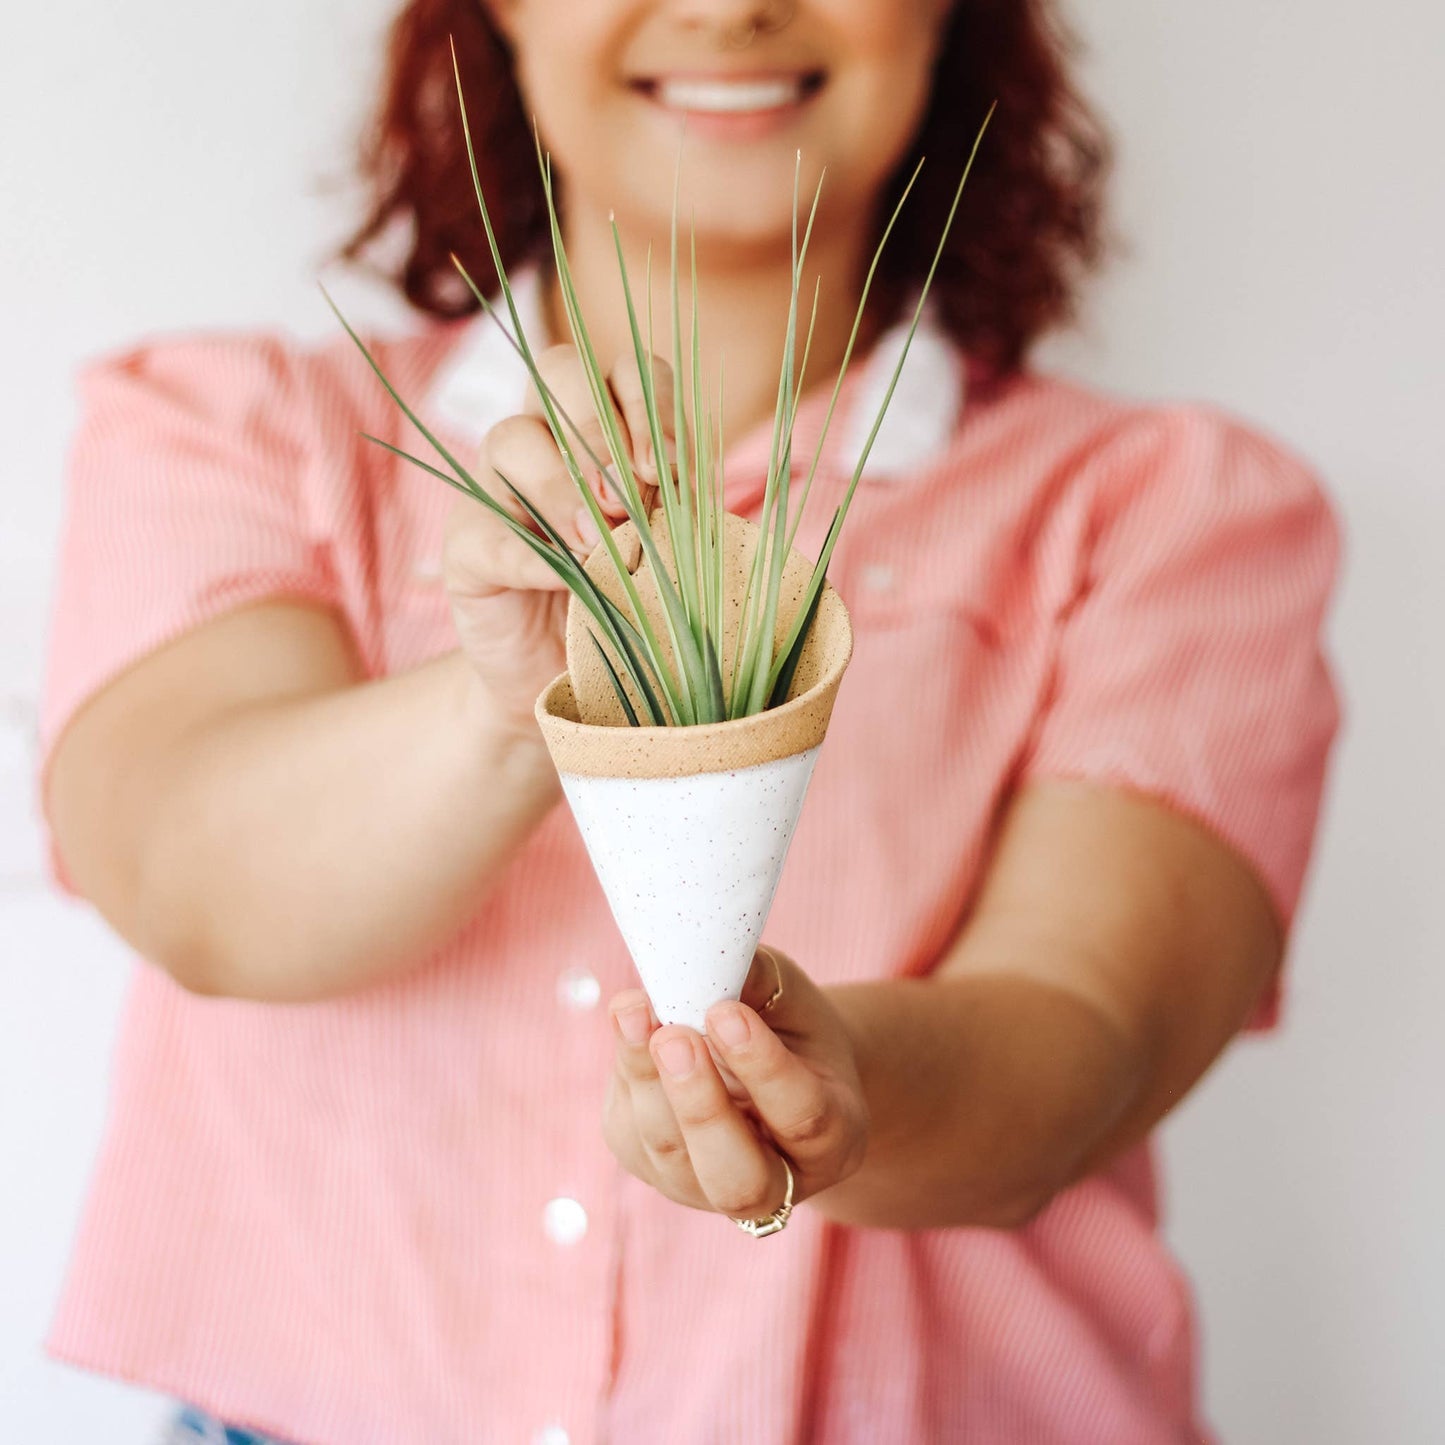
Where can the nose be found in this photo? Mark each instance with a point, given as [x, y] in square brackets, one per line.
[734, 22]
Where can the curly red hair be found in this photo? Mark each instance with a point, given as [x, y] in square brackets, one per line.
[1030, 231]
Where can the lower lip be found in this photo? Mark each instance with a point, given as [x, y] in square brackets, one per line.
[737, 125]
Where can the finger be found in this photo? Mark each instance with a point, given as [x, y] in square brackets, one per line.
[565, 378]
[633, 1024]
[619, 1129]
[800, 1113]
[739, 1176]
[521, 450]
[762, 984]
[657, 1128]
[625, 382]
[481, 557]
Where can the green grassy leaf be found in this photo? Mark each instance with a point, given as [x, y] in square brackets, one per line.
[794, 640]
[678, 675]
[617, 687]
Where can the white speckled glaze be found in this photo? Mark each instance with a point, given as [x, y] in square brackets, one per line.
[690, 866]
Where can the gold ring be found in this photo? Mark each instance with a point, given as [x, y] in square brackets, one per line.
[775, 1222]
[777, 993]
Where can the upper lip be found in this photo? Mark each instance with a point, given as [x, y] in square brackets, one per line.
[801, 74]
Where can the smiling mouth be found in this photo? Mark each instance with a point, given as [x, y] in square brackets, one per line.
[724, 95]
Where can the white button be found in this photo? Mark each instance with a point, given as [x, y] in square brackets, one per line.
[551, 1435]
[577, 989]
[427, 569]
[564, 1220]
[877, 578]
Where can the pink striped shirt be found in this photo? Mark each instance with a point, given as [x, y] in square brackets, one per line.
[391, 1219]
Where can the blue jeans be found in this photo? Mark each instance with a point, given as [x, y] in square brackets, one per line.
[195, 1427]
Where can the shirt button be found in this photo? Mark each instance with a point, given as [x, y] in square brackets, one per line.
[564, 1220]
[577, 989]
[877, 578]
[427, 569]
[551, 1435]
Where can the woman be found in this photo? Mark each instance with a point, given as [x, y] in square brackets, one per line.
[355, 1190]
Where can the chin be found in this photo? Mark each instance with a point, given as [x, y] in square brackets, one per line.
[733, 208]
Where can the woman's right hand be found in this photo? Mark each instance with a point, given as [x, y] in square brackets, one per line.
[509, 607]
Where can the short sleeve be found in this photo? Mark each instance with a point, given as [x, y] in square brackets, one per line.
[1191, 665]
[184, 499]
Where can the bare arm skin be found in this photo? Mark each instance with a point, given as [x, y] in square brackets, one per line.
[261, 821]
[249, 814]
[1115, 948]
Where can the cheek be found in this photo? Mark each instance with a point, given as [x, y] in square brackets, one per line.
[564, 66]
[880, 107]
[878, 27]
[891, 47]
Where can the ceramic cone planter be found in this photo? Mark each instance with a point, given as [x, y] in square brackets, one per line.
[688, 827]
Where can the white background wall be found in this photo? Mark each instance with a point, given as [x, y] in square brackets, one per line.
[1281, 188]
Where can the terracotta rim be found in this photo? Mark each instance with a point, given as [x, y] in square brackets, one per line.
[598, 750]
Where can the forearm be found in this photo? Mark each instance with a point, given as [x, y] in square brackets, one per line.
[987, 1094]
[303, 848]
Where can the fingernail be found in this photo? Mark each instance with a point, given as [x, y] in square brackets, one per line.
[728, 1023]
[632, 1024]
[676, 1056]
[586, 527]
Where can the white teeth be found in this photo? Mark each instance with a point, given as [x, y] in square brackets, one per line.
[728, 96]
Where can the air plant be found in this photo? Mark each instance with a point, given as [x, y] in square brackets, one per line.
[666, 664]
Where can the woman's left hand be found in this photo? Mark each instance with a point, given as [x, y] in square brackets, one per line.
[703, 1120]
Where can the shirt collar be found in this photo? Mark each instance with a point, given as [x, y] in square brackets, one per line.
[927, 404]
[482, 381]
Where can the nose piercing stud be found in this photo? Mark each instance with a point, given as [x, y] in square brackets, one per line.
[743, 36]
